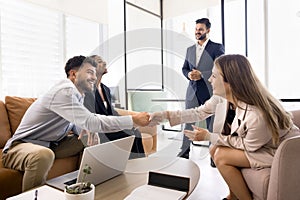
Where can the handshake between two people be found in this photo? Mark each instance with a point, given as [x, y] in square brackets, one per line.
[141, 119]
[149, 119]
[197, 134]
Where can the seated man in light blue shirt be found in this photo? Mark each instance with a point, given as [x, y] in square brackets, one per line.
[43, 133]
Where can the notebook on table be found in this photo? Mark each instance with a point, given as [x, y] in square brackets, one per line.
[162, 186]
[107, 160]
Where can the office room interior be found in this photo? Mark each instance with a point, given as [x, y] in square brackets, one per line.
[144, 44]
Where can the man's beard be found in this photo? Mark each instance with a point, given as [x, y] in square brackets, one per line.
[202, 37]
[84, 86]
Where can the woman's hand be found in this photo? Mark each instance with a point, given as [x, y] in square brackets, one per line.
[198, 134]
[158, 117]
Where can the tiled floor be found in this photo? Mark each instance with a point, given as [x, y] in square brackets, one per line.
[211, 185]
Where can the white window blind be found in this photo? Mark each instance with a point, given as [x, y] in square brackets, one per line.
[31, 48]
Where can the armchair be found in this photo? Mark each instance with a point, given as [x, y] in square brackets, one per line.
[281, 181]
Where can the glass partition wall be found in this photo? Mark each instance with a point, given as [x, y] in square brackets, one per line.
[143, 51]
[143, 42]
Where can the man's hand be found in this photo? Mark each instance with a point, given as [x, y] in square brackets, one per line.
[194, 75]
[198, 134]
[141, 119]
[157, 117]
[92, 138]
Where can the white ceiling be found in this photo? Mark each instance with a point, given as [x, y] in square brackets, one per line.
[172, 8]
[95, 10]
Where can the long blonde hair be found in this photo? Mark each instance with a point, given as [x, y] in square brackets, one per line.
[246, 87]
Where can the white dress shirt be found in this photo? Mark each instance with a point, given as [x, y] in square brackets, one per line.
[199, 51]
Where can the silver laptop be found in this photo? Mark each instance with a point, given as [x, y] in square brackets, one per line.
[107, 160]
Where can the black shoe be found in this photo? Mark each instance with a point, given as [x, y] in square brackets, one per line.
[212, 163]
[184, 154]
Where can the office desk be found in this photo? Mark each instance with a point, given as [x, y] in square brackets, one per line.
[136, 174]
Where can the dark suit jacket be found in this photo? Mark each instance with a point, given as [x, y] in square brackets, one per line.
[202, 88]
[93, 102]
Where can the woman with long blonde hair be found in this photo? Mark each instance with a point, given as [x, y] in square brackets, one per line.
[260, 123]
[259, 126]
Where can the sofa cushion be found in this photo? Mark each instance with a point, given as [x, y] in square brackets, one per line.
[16, 108]
[284, 177]
[10, 182]
[5, 133]
[296, 117]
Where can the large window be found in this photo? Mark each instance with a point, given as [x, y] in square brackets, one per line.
[256, 38]
[235, 27]
[35, 44]
[284, 48]
[180, 34]
[31, 51]
[265, 31]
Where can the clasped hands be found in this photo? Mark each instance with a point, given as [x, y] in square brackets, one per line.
[198, 134]
[153, 119]
[194, 75]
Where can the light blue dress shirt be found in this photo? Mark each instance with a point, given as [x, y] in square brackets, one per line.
[52, 116]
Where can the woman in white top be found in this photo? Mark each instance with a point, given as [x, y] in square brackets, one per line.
[259, 126]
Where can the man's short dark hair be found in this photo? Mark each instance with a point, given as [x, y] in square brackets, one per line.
[204, 21]
[74, 63]
[90, 61]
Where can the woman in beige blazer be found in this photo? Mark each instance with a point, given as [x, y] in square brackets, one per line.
[258, 128]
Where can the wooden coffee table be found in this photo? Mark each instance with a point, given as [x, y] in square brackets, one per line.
[136, 174]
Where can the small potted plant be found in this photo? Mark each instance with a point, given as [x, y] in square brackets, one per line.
[82, 190]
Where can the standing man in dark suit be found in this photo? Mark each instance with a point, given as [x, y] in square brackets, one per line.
[99, 102]
[197, 69]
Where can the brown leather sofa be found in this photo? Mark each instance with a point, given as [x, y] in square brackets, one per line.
[11, 113]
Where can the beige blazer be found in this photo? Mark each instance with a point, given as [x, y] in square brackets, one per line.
[249, 131]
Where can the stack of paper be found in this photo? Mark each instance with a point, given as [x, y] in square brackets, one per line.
[149, 192]
[44, 193]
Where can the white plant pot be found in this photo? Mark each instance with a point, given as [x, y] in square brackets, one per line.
[85, 196]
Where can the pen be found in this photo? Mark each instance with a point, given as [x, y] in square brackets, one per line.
[35, 194]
